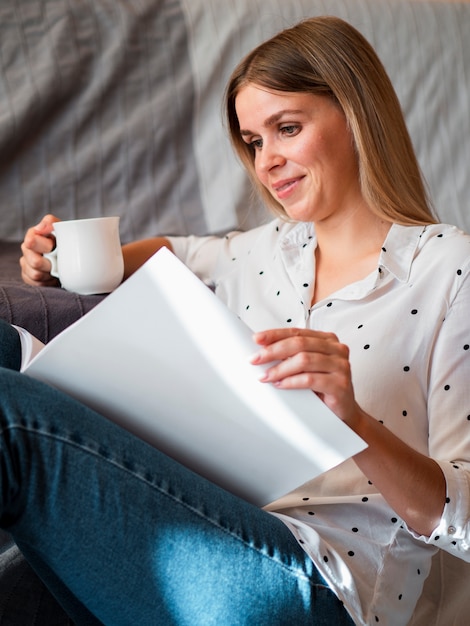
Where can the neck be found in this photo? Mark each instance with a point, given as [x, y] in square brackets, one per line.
[347, 252]
[351, 236]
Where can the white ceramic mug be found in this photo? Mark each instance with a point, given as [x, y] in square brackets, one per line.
[87, 258]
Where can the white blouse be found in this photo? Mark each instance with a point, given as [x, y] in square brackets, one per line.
[407, 326]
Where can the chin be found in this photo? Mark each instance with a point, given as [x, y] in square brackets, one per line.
[298, 215]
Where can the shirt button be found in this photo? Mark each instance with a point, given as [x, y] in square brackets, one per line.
[451, 530]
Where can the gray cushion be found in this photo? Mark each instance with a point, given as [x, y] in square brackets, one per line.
[24, 600]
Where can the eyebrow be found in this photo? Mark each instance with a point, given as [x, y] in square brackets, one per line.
[273, 119]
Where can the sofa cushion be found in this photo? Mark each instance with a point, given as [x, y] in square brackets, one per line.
[24, 600]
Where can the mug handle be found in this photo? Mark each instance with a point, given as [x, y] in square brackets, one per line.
[52, 256]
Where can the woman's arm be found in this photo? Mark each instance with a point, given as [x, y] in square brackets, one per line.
[136, 253]
[412, 483]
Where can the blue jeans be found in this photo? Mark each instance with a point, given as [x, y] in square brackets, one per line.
[122, 534]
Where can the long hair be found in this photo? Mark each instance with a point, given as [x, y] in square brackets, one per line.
[327, 56]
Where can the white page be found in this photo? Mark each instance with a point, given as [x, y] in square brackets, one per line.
[175, 370]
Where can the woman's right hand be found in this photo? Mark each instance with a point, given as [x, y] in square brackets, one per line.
[35, 269]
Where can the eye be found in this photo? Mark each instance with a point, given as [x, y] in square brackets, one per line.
[290, 129]
[256, 144]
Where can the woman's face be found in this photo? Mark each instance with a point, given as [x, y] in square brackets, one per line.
[304, 152]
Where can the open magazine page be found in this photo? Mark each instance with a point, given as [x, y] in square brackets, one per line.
[179, 376]
[30, 346]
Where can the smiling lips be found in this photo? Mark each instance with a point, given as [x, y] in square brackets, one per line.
[284, 188]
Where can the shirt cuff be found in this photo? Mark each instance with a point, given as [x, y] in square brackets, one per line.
[453, 531]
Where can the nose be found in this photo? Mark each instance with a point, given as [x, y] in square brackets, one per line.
[268, 157]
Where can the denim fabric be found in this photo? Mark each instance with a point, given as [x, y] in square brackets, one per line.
[122, 534]
[24, 599]
[10, 347]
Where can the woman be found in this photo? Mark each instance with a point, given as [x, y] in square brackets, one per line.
[354, 292]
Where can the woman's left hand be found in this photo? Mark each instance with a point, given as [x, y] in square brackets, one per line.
[309, 359]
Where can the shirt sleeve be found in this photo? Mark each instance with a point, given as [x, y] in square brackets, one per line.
[449, 419]
[452, 534]
[212, 257]
[200, 254]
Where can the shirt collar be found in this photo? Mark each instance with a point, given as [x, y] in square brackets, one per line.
[398, 251]
[294, 235]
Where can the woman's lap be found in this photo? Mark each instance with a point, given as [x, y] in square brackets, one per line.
[111, 523]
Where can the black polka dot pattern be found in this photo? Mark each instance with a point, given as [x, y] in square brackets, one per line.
[391, 322]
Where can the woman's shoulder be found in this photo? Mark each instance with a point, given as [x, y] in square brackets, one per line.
[427, 253]
[446, 239]
[444, 255]
[442, 230]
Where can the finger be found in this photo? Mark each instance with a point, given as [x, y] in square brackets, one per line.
[273, 335]
[37, 276]
[46, 225]
[315, 360]
[37, 242]
[333, 386]
[334, 389]
[305, 365]
[35, 245]
[34, 257]
[35, 268]
[283, 344]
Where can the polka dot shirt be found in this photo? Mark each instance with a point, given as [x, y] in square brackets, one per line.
[407, 327]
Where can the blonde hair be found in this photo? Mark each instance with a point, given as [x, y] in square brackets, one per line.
[327, 56]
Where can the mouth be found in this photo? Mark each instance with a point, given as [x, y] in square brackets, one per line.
[284, 188]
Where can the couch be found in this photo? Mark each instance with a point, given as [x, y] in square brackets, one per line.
[113, 107]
